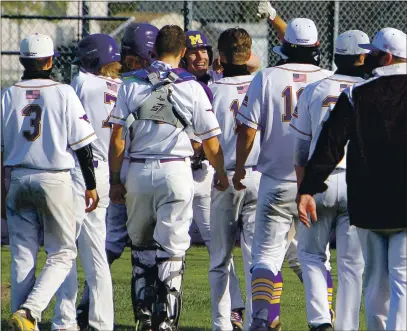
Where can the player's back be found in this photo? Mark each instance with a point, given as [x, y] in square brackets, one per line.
[98, 95]
[36, 124]
[317, 100]
[228, 94]
[282, 86]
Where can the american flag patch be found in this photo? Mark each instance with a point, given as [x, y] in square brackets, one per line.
[343, 86]
[111, 86]
[32, 94]
[242, 89]
[299, 78]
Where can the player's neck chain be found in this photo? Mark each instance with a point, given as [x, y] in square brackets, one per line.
[40, 74]
[232, 70]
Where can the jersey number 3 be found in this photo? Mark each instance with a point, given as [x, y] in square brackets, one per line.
[34, 122]
[288, 102]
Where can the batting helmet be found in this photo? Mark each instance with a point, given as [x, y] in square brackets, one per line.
[196, 39]
[95, 51]
[139, 39]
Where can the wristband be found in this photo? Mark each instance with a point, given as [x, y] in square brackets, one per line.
[114, 178]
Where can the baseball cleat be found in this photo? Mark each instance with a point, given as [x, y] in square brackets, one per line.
[236, 318]
[322, 327]
[20, 322]
[82, 316]
[259, 324]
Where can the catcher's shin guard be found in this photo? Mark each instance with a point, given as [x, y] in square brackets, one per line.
[169, 303]
[144, 287]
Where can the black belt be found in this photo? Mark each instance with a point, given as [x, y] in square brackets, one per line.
[252, 168]
[137, 160]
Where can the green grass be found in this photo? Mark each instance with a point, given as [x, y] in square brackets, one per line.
[196, 313]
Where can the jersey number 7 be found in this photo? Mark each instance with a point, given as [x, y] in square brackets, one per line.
[109, 99]
[34, 122]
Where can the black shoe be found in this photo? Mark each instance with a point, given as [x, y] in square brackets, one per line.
[144, 321]
[82, 317]
[322, 327]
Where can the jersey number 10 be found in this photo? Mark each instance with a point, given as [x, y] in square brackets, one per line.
[288, 102]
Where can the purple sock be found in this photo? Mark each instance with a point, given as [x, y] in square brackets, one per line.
[274, 310]
[262, 292]
[330, 286]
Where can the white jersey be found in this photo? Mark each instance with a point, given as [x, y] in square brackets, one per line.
[98, 96]
[268, 105]
[40, 119]
[228, 94]
[158, 141]
[214, 76]
[314, 107]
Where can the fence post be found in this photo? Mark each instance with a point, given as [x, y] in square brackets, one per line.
[335, 31]
[85, 22]
[187, 15]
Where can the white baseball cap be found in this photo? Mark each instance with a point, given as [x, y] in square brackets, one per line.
[299, 31]
[389, 40]
[36, 46]
[348, 42]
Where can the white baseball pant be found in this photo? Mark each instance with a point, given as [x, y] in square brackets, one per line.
[332, 210]
[159, 208]
[116, 230]
[276, 213]
[230, 210]
[385, 279]
[39, 199]
[91, 244]
[201, 207]
[201, 204]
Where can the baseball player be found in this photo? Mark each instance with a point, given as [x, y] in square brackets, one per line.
[370, 119]
[268, 106]
[312, 110]
[197, 59]
[43, 124]
[96, 86]
[136, 51]
[155, 105]
[232, 210]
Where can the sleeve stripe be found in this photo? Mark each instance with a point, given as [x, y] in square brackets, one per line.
[238, 113]
[78, 142]
[118, 118]
[206, 132]
[305, 134]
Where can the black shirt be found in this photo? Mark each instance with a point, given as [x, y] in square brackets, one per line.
[372, 117]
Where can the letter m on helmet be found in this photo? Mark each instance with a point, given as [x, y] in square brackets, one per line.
[195, 39]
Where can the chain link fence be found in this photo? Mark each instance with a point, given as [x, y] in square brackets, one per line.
[67, 22]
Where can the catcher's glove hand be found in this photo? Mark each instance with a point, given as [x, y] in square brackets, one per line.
[266, 10]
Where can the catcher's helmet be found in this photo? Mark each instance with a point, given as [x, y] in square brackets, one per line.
[196, 39]
[139, 39]
[95, 51]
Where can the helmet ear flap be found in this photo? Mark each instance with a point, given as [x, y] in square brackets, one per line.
[91, 64]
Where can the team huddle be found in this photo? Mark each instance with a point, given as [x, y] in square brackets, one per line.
[147, 138]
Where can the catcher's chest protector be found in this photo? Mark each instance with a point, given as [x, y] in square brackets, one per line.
[160, 106]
